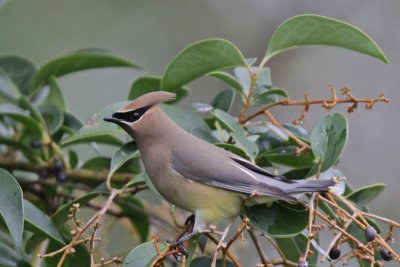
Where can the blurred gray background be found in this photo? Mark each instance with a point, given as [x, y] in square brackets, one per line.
[151, 33]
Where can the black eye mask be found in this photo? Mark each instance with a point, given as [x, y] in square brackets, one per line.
[131, 116]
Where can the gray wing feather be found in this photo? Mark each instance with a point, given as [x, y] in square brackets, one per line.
[222, 169]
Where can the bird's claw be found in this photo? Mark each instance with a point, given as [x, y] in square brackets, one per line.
[182, 251]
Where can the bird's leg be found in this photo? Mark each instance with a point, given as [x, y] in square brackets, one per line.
[185, 235]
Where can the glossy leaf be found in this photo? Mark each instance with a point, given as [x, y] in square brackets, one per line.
[11, 207]
[137, 216]
[21, 116]
[73, 158]
[229, 79]
[142, 255]
[26, 150]
[328, 139]
[224, 100]
[97, 130]
[122, 155]
[243, 75]
[365, 195]
[8, 256]
[20, 70]
[147, 84]
[198, 59]
[269, 96]
[237, 132]
[8, 90]
[306, 30]
[61, 215]
[294, 247]
[277, 220]
[188, 120]
[38, 222]
[232, 148]
[77, 62]
[53, 117]
[206, 261]
[287, 156]
[55, 96]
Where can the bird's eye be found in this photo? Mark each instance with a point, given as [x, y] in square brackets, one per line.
[131, 116]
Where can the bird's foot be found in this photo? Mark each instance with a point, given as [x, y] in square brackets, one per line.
[180, 247]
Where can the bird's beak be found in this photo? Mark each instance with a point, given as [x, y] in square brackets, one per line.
[112, 119]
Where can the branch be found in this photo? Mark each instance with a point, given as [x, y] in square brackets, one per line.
[326, 103]
[80, 175]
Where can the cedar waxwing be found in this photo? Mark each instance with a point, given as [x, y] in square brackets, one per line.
[197, 176]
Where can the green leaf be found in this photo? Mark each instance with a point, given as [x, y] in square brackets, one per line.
[294, 247]
[21, 116]
[53, 117]
[277, 220]
[147, 84]
[137, 216]
[287, 156]
[229, 79]
[328, 139]
[142, 255]
[232, 148]
[122, 155]
[8, 90]
[77, 62]
[11, 207]
[198, 59]
[97, 164]
[206, 261]
[306, 30]
[97, 130]
[20, 70]
[224, 100]
[73, 158]
[8, 256]
[237, 132]
[38, 222]
[61, 215]
[188, 120]
[365, 195]
[26, 150]
[269, 96]
[193, 242]
[55, 96]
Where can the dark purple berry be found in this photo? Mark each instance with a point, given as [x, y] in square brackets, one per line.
[334, 253]
[386, 255]
[36, 144]
[43, 174]
[370, 233]
[58, 165]
[61, 177]
[302, 263]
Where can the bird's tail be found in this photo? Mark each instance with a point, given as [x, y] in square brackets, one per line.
[304, 186]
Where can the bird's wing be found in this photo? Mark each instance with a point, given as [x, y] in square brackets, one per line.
[216, 167]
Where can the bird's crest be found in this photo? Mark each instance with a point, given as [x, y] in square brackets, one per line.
[149, 99]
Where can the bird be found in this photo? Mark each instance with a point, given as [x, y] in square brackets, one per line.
[190, 173]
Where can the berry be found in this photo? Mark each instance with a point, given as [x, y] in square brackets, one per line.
[36, 144]
[334, 253]
[386, 255]
[302, 263]
[43, 174]
[58, 165]
[370, 233]
[61, 177]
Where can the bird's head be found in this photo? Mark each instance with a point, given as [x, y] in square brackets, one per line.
[142, 113]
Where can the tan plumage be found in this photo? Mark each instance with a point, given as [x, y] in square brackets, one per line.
[195, 175]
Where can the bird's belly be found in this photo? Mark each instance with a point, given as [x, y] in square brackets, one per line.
[209, 202]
